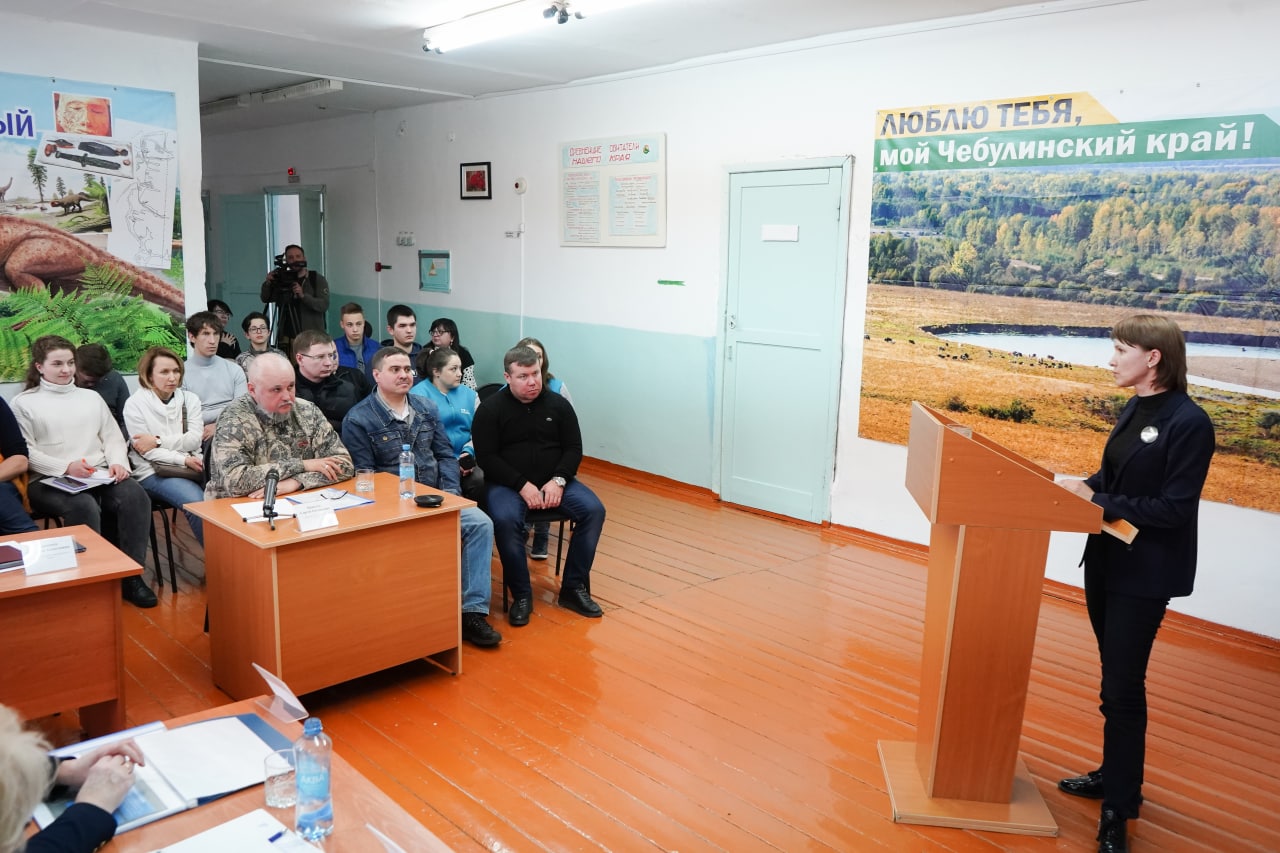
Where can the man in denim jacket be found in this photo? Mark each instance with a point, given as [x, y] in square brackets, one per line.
[374, 431]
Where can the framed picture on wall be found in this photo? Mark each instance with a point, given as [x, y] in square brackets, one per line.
[476, 182]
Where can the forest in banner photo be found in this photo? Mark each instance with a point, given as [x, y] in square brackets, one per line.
[966, 264]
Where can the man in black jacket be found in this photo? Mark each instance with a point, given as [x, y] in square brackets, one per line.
[529, 445]
[321, 381]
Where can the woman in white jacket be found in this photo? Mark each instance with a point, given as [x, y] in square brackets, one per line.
[70, 430]
[165, 423]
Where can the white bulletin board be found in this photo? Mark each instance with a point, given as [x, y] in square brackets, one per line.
[613, 191]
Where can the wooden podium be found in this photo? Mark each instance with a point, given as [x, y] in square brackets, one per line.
[991, 513]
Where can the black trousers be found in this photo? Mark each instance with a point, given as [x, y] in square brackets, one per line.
[1125, 626]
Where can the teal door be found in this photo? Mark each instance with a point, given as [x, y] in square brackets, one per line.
[242, 222]
[784, 316]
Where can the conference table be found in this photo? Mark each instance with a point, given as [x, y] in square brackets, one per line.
[322, 607]
[62, 635]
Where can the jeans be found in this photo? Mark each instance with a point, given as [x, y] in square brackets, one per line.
[124, 506]
[177, 491]
[1125, 626]
[507, 509]
[13, 518]
[477, 549]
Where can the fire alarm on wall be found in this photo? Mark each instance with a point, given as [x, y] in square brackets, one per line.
[521, 186]
[293, 176]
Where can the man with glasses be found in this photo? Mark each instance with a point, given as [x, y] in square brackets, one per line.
[322, 381]
[258, 331]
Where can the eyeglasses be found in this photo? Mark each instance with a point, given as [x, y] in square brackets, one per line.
[259, 328]
[329, 356]
[438, 330]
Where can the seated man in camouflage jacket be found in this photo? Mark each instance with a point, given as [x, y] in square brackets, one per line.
[268, 428]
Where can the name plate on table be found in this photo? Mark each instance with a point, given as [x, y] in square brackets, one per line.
[48, 555]
[314, 516]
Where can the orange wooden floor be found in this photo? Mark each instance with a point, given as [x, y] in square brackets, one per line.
[731, 699]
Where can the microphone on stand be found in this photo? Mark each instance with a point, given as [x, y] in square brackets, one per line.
[269, 496]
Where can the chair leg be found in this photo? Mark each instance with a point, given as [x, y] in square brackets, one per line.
[155, 551]
[559, 547]
[168, 544]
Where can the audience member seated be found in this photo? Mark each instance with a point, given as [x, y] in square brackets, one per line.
[95, 371]
[14, 517]
[444, 333]
[542, 530]
[101, 779]
[258, 331]
[402, 326]
[529, 444]
[228, 344]
[321, 381]
[70, 430]
[376, 430]
[166, 426]
[456, 405]
[355, 348]
[214, 380]
[268, 428]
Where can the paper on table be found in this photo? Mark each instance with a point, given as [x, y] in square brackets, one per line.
[207, 759]
[249, 833]
[253, 509]
[326, 497]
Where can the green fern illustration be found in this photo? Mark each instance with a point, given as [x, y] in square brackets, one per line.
[104, 310]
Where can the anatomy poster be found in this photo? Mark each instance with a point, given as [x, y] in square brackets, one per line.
[88, 223]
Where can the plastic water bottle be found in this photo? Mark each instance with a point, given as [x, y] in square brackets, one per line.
[311, 756]
[408, 473]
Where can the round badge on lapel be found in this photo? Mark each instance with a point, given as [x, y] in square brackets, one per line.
[1149, 434]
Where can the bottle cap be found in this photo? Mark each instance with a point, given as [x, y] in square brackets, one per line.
[404, 447]
[312, 727]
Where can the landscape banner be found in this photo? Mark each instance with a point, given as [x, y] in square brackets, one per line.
[90, 236]
[1009, 235]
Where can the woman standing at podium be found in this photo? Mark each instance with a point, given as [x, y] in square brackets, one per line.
[1153, 469]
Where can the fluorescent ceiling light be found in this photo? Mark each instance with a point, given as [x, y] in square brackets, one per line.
[509, 19]
[224, 105]
[309, 89]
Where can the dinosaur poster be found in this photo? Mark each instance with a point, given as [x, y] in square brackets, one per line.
[90, 236]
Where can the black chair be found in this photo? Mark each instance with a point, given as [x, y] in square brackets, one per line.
[484, 392]
[537, 516]
[162, 507]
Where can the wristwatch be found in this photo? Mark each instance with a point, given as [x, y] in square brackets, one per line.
[559, 481]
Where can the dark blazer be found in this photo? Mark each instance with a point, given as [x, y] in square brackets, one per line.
[1157, 488]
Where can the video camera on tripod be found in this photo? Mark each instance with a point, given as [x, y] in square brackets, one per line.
[283, 277]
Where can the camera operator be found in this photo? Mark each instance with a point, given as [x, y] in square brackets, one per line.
[301, 296]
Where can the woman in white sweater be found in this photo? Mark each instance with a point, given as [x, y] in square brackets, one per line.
[166, 426]
[70, 430]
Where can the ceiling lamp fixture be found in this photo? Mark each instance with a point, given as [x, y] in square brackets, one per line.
[511, 19]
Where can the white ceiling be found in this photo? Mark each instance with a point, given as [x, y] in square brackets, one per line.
[375, 46]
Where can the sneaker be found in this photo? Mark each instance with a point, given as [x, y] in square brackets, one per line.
[477, 631]
[135, 591]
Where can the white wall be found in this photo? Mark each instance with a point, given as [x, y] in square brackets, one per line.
[68, 51]
[806, 103]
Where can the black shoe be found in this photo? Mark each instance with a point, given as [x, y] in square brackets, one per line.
[137, 593]
[1112, 833]
[1088, 786]
[519, 613]
[579, 601]
[477, 631]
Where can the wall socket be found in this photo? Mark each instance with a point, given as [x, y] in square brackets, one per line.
[406, 238]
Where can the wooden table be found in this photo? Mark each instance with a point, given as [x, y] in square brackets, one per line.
[62, 635]
[319, 608]
[356, 801]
